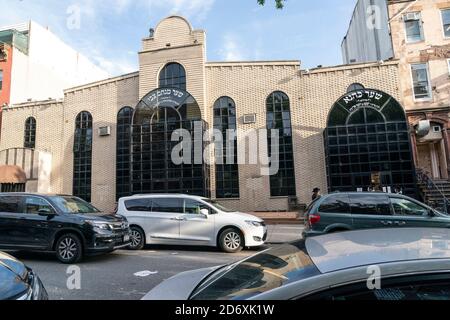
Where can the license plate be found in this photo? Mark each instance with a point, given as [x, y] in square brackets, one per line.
[126, 238]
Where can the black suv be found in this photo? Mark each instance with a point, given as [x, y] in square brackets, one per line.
[67, 225]
[369, 210]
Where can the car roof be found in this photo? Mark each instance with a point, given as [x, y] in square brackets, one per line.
[365, 193]
[338, 251]
[169, 195]
[34, 194]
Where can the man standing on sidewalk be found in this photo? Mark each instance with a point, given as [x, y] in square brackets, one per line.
[316, 194]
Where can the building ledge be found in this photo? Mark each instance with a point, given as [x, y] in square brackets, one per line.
[102, 82]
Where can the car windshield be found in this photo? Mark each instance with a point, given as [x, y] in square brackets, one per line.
[73, 205]
[261, 273]
[217, 205]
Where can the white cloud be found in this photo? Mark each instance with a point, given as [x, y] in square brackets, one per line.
[232, 48]
[93, 40]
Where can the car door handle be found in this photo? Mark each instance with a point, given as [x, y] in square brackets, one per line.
[386, 223]
[179, 219]
[400, 223]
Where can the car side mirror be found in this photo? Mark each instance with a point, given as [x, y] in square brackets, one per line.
[205, 213]
[431, 213]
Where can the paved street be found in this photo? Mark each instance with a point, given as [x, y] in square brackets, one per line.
[129, 275]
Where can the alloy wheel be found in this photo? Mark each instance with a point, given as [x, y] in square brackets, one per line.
[68, 248]
[232, 240]
[136, 238]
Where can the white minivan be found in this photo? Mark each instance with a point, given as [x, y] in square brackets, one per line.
[189, 220]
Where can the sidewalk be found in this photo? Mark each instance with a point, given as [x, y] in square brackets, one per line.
[276, 218]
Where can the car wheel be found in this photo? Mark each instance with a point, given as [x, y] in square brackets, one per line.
[137, 239]
[231, 241]
[69, 249]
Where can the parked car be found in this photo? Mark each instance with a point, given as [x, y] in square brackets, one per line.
[367, 210]
[410, 264]
[19, 282]
[189, 220]
[67, 225]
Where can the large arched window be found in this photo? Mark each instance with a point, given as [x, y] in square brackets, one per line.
[367, 144]
[227, 172]
[279, 118]
[173, 75]
[82, 152]
[30, 133]
[123, 146]
[158, 117]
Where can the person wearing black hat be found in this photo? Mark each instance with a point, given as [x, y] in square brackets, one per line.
[316, 194]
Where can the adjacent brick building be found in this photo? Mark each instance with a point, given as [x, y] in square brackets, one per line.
[417, 34]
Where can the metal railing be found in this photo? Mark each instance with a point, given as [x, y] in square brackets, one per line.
[424, 179]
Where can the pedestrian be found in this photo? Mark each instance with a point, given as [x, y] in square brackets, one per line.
[316, 194]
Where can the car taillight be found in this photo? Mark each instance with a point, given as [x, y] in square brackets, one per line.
[313, 219]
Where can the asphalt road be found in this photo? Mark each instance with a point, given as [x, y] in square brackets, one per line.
[129, 275]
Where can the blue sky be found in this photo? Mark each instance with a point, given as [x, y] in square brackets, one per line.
[110, 31]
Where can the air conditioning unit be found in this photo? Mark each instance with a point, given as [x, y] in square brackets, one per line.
[412, 16]
[250, 118]
[104, 131]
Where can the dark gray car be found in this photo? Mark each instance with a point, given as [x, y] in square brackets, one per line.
[381, 264]
[368, 210]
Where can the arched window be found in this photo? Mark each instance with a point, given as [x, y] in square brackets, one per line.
[30, 133]
[123, 154]
[367, 144]
[227, 172]
[354, 87]
[82, 152]
[173, 75]
[153, 166]
[279, 118]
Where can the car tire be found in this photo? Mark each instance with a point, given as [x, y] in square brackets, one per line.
[231, 241]
[137, 238]
[69, 249]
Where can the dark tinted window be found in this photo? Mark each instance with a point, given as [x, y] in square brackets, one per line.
[370, 204]
[335, 204]
[279, 119]
[227, 172]
[170, 205]
[269, 270]
[123, 154]
[30, 133]
[413, 290]
[138, 205]
[9, 204]
[173, 75]
[34, 205]
[82, 156]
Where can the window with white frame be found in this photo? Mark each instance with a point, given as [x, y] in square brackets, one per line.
[413, 27]
[446, 22]
[448, 65]
[421, 81]
[1, 80]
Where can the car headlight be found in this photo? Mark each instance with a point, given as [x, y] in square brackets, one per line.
[100, 225]
[255, 223]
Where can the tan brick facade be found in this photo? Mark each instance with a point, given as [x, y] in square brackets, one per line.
[311, 94]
